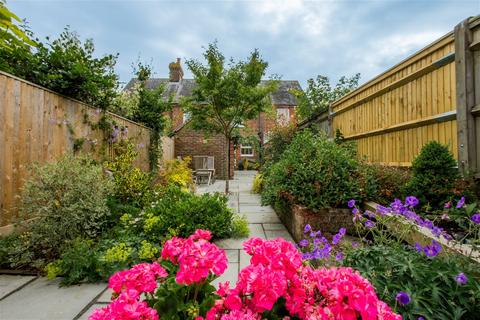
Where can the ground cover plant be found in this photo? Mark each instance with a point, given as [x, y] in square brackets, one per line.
[275, 285]
[108, 217]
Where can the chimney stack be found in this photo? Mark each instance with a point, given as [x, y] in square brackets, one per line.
[176, 71]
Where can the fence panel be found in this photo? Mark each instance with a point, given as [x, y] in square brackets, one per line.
[38, 126]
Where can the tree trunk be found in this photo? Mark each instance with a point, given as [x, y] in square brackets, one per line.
[227, 179]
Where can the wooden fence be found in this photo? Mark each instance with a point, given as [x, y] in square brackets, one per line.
[38, 125]
[432, 95]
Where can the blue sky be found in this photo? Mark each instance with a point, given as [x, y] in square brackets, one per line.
[299, 39]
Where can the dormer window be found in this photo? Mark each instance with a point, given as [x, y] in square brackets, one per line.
[283, 116]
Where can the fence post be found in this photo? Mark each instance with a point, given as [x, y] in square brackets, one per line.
[465, 98]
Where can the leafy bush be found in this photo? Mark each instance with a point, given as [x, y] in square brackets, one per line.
[257, 183]
[434, 175]
[131, 184]
[314, 172]
[240, 226]
[278, 140]
[180, 213]
[178, 172]
[67, 66]
[67, 199]
[430, 282]
[389, 183]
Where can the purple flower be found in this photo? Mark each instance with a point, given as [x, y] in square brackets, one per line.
[382, 210]
[445, 216]
[355, 244]
[369, 214]
[433, 249]
[418, 247]
[411, 201]
[339, 256]
[355, 211]
[476, 218]
[351, 203]
[461, 278]
[369, 224]
[342, 231]
[303, 243]
[317, 242]
[448, 205]
[307, 228]
[420, 318]
[403, 298]
[460, 203]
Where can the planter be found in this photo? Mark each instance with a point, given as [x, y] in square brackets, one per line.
[328, 220]
[424, 236]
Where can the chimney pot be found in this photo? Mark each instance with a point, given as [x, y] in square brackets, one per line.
[176, 71]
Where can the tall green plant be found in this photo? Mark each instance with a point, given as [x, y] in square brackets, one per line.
[227, 96]
[11, 33]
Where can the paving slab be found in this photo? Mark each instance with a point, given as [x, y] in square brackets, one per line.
[232, 255]
[256, 209]
[274, 234]
[10, 283]
[106, 296]
[262, 217]
[256, 230]
[43, 299]
[244, 259]
[231, 275]
[274, 226]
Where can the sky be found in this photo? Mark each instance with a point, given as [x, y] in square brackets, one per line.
[299, 39]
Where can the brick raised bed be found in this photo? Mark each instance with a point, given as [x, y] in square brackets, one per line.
[295, 217]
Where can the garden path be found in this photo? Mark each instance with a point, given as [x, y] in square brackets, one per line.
[36, 298]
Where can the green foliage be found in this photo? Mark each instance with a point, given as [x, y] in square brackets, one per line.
[278, 140]
[434, 175]
[180, 213]
[320, 94]
[389, 183]
[131, 184]
[178, 172]
[315, 172]
[257, 183]
[12, 34]
[227, 96]
[240, 227]
[67, 66]
[429, 282]
[67, 199]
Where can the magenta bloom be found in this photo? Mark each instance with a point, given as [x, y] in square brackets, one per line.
[461, 278]
[448, 205]
[476, 218]
[403, 298]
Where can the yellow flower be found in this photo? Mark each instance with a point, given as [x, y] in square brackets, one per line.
[118, 253]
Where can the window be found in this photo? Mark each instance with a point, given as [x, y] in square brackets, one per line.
[246, 151]
[283, 115]
[186, 117]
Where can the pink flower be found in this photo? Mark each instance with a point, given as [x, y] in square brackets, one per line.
[141, 278]
[202, 234]
[172, 249]
[125, 307]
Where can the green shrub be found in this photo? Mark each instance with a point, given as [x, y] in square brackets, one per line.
[240, 227]
[389, 183]
[180, 213]
[429, 282]
[315, 172]
[131, 184]
[279, 138]
[67, 199]
[434, 175]
[257, 183]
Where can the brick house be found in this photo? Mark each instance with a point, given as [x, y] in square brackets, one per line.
[189, 142]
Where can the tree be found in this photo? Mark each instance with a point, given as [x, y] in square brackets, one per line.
[226, 96]
[320, 94]
[11, 34]
[150, 111]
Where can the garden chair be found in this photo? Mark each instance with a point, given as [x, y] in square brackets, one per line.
[204, 168]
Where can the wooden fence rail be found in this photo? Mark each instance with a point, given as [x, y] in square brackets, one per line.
[38, 125]
[432, 95]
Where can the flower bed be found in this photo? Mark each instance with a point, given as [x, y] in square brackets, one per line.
[276, 285]
[295, 217]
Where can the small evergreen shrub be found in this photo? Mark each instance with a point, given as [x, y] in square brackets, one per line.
[279, 139]
[240, 227]
[314, 172]
[67, 199]
[177, 172]
[389, 183]
[257, 183]
[180, 213]
[434, 174]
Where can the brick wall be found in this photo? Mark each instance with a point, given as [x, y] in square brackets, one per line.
[189, 142]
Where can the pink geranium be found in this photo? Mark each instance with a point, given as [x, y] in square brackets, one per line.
[125, 307]
[141, 277]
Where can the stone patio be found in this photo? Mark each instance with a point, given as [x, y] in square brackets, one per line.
[30, 297]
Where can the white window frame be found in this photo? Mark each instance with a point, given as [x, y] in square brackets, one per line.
[283, 116]
[246, 147]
